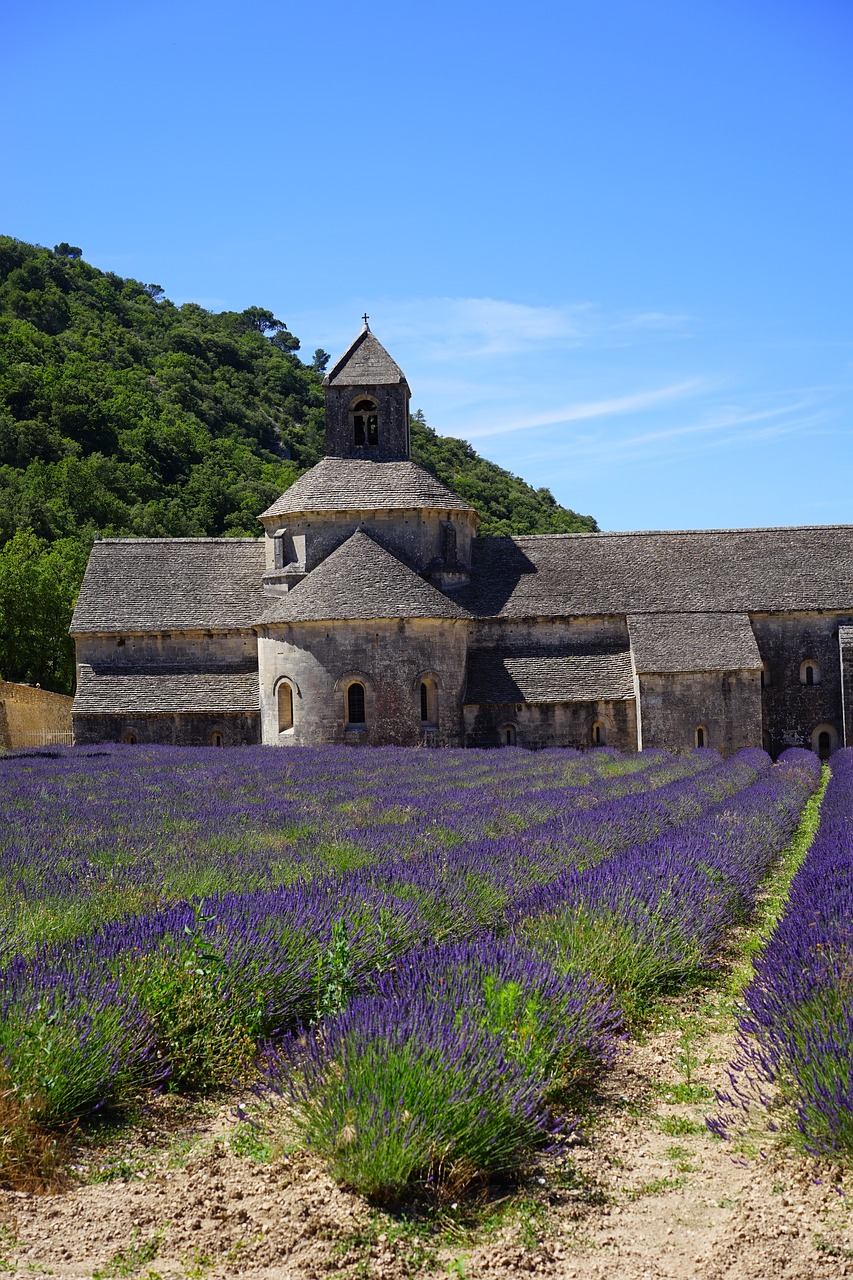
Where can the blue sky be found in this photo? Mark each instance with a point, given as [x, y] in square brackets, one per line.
[609, 242]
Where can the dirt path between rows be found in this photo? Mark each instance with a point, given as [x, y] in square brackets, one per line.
[644, 1193]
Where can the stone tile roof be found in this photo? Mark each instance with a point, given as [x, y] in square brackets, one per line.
[171, 584]
[365, 363]
[108, 691]
[669, 642]
[360, 580]
[549, 675]
[737, 570]
[356, 484]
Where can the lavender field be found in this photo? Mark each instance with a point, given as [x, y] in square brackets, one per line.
[434, 949]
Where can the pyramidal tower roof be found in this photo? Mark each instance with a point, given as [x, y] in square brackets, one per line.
[365, 363]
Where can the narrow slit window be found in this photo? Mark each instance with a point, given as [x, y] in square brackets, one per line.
[217, 740]
[701, 736]
[355, 704]
[424, 702]
[285, 707]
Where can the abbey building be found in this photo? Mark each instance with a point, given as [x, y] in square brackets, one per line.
[371, 612]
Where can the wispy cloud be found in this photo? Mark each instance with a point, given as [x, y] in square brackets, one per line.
[636, 402]
[727, 427]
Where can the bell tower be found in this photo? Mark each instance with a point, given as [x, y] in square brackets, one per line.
[367, 404]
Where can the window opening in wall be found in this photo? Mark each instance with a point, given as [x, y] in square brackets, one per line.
[285, 707]
[130, 738]
[217, 740]
[810, 677]
[701, 736]
[810, 672]
[424, 702]
[599, 737]
[365, 422]
[355, 704]
[507, 735]
[824, 744]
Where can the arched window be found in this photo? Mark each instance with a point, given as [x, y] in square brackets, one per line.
[809, 672]
[508, 735]
[364, 416]
[824, 740]
[130, 738]
[217, 739]
[598, 734]
[701, 736]
[355, 703]
[428, 697]
[285, 707]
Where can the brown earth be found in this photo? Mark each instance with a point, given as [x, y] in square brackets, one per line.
[644, 1193]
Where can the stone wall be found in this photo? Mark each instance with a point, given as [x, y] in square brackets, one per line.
[390, 658]
[726, 704]
[558, 724]
[178, 730]
[794, 713]
[417, 537]
[168, 649]
[393, 402]
[30, 716]
[514, 634]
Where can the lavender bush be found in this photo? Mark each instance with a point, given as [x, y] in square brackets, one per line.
[796, 1034]
[443, 1073]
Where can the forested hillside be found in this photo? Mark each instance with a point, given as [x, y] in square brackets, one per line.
[123, 414]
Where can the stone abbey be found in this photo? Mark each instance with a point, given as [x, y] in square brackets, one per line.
[371, 612]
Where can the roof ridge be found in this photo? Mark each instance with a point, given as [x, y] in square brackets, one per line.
[659, 533]
[160, 541]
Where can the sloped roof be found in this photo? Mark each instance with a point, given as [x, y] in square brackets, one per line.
[106, 690]
[355, 484]
[549, 676]
[365, 363]
[360, 580]
[669, 642]
[722, 570]
[171, 584]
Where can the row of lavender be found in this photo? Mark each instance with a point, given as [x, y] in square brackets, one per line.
[450, 1066]
[634, 891]
[796, 1036]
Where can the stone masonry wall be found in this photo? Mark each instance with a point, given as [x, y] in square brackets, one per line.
[389, 657]
[560, 724]
[726, 704]
[179, 730]
[29, 715]
[794, 712]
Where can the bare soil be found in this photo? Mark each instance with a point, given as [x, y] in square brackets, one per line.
[644, 1193]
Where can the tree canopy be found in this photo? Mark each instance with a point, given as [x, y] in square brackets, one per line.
[125, 415]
